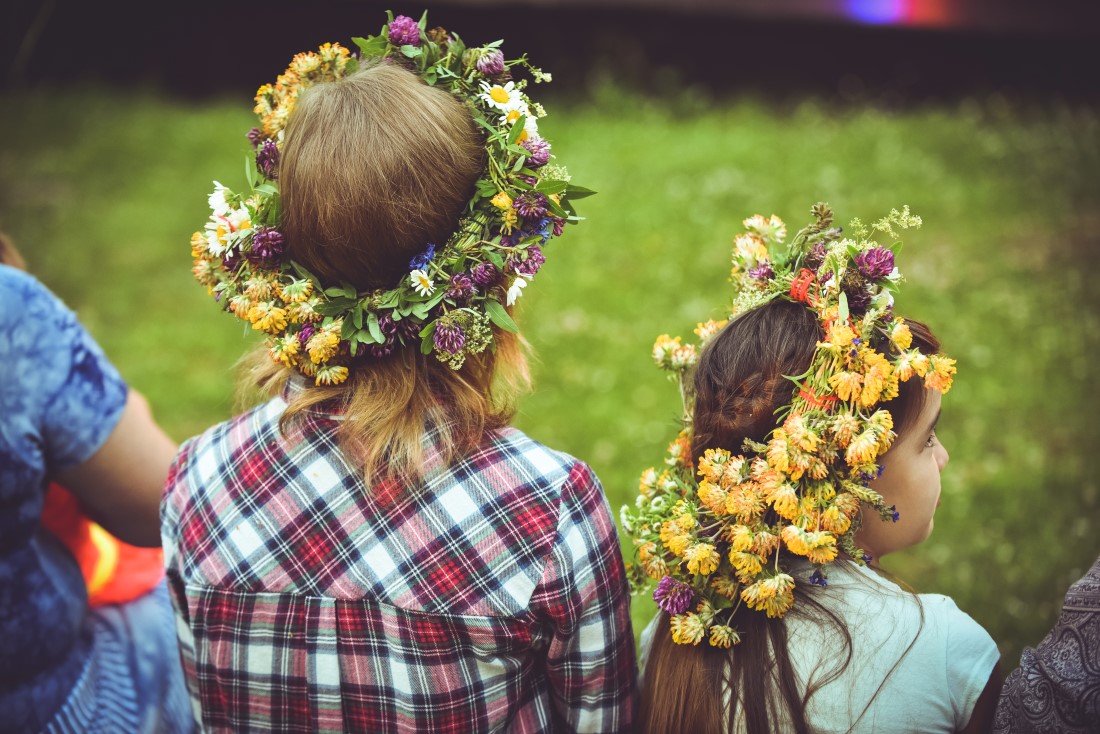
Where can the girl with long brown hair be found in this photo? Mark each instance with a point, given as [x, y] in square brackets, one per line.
[811, 453]
[375, 548]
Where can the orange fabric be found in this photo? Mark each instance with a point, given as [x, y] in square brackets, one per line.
[114, 572]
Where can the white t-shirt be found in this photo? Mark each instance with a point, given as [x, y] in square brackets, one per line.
[905, 675]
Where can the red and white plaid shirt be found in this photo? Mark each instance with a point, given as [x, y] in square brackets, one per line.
[491, 597]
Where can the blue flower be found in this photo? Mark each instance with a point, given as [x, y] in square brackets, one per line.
[420, 262]
[818, 579]
[894, 514]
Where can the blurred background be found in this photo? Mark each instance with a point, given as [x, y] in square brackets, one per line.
[983, 117]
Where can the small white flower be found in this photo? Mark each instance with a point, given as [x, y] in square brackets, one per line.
[505, 97]
[421, 283]
[625, 520]
[894, 275]
[514, 291]
[217, 200]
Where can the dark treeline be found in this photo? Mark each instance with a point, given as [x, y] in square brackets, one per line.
[202, 48]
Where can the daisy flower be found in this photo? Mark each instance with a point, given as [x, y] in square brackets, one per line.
[515, 290]
[502, 97]
[421, 282]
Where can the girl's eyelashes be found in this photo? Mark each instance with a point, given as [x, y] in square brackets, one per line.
[931, 440]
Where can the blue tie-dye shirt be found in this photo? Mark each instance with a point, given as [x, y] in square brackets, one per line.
[59, 400]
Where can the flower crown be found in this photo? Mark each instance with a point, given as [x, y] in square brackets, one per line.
[713, 530]
[455, 290]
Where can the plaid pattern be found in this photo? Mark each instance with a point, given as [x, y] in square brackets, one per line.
[490, 598]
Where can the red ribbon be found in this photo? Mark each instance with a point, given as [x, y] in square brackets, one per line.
[804, 287]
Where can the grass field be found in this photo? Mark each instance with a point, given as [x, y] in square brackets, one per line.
[102, 188]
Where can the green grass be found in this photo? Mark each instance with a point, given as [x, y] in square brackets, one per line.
[102, 189]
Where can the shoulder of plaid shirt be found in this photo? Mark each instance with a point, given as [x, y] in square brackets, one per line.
[491, 597]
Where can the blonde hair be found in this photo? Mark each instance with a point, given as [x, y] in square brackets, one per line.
[375, 167]
[9, 255]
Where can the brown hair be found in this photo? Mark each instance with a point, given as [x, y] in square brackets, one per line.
[374, 168]
[740, 382]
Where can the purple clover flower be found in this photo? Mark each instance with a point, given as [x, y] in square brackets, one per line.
[255, 135]
[408, 329]
[421, 261]
[673, 596]
[449, 338]
[304, 335]
[485, 274]
[491, 62]
[268, 247]
[867, 558]
[858, 299]
[387, 325]
[233, 261]
[531, 204]
[267, 159]
[818, 579]
[559, 225]
[876, 263]
[816, 256]
[404, 31]
[763, 271]
[380, 351]
[462, 288]
[529, 266]
[539, 150]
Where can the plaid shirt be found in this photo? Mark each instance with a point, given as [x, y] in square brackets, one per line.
[492, 597]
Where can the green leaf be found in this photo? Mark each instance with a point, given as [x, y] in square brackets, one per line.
[344, 291]
[266, 188]
[347, 329]
[552, 187]
[578, 192]
[423, 22]
[351, 65]
[373, 46]
[357, 317]
[842, 310]
[411, 51]
[374, 328]
[495, 259]
[430, 76]
[517, 130]
[499, 316]
[426, 343]
[250, 171]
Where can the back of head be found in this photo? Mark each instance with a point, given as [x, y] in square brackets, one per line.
[375, 167]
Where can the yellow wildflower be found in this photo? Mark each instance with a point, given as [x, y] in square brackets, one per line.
[799, 433]
[712, 464]
[678, 543]
[941, 373]
[722, 635]
[841, 335]
[508, 220]
[919, 362]
[784, 500]
[847, 385]
[900, 334]
[259, 288]
[502, 201]
[663, 349]
[683, 357]
[656, 568]
[709, 329]
[323, 345]
[749, 248]
[747, 565]
[834, 520]
[284, 350]
[903, 367]
[778, 451]
[765, 543]
[712, 497]
[822, 547]
[702, 559]
[779, 604]
[198, 245]
[731, 476]
[795, 538]
[725, 586]
[745, 503]
[267, 317]
[296, 291]
[687, 629]
[741, 537]
[863, 449]
[648, 482]
[331, 374]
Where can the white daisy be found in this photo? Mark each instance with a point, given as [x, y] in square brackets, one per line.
[515, 290]
[217, 200]
[505, 97]
[421, 283]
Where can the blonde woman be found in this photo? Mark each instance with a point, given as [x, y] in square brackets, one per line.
[375, 548]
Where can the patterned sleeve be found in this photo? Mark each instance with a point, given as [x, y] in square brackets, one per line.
[1057, 686]
[76, 394]
[583, 591]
